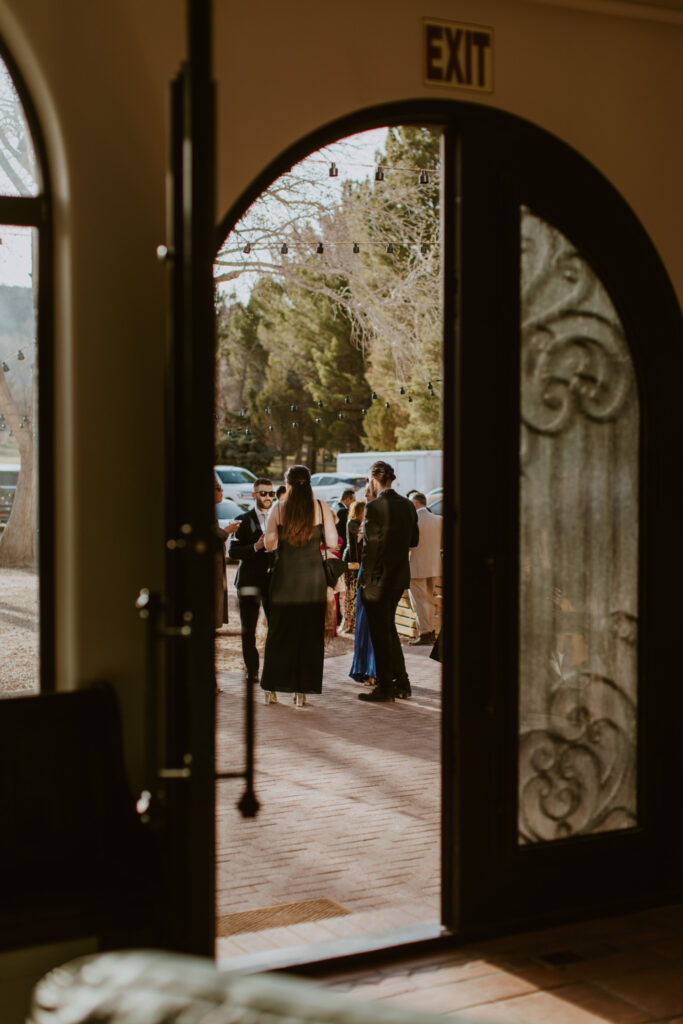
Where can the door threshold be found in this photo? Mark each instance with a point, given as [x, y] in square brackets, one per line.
[329, 949]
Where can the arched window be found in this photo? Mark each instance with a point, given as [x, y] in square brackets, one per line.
[25, 645]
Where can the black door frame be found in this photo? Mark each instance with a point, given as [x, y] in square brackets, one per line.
[493, 162]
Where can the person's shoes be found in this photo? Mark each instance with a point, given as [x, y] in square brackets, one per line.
[378, 694]
[403, 689]
[423, 639]
[270, 697]
[299, 700]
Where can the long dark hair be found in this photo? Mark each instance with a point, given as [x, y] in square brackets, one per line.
[298, 512]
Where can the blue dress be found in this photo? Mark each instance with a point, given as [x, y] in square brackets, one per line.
[363, 664]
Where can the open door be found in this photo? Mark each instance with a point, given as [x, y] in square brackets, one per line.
[567, 493]
[180, 702]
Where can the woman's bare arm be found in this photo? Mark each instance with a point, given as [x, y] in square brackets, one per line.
[330, 528]
[272, 524]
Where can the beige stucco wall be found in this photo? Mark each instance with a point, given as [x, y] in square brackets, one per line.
[99, 73]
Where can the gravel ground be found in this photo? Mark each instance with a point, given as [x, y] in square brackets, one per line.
[19, 671]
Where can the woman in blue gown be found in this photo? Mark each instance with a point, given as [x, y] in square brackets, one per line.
[363, 668]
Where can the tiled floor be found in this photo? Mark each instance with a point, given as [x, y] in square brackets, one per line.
[350, 808]
[628, 970]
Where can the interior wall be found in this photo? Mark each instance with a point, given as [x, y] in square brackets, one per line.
[99, 74]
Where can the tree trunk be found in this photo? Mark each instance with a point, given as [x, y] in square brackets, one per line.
[17, 542]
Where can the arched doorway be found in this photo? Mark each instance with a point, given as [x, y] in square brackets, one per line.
[558, 766]
[26, 523]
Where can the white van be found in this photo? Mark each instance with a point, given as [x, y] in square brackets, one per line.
[9, 474]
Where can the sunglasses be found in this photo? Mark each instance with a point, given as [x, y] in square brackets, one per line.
[266, 494]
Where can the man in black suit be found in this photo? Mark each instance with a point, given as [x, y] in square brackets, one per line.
[341, 510]
[390, 530]
[253, 575]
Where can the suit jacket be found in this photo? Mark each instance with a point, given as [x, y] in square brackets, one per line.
[254, 566]
[352, 549]
[390, 530]
[425, 559]
[342, 514]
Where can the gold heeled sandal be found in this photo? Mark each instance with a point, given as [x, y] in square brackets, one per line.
[270, 697]
[299, 700]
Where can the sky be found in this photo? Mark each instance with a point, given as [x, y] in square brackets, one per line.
[355, 159]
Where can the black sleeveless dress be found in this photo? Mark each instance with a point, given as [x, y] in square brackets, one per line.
[295, 647]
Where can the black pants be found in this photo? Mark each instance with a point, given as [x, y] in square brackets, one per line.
[391, 666]
[249, 609]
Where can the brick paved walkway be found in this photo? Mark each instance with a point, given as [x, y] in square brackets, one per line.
[349, 807]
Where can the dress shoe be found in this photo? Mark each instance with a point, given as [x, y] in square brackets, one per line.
[378, 694]
[422, 640]
[403, 689]
[270, 697]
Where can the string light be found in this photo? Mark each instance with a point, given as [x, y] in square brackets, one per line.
[379, 173]
[356, 247]
[247, 248]
[284, 250]
[320, 250]
[20, 355]
[390, 248]
[5, 367]
[424, 178]
[424, 249]
[334, 172]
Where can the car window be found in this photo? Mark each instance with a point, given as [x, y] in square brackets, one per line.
[235, 476]
[9, 477]
[315, 479]
[227, 510]
[436, 507]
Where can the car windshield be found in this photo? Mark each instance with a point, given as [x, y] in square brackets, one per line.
[354, 481]
[227, 510]
[235, 476]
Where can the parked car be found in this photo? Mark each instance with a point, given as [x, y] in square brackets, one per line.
[237, 483]
[432, 495]
[436, 507]
[9, 474]
[329, 487]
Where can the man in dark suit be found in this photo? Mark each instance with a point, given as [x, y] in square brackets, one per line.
[390, 530]
[341, 510]
[253, 576]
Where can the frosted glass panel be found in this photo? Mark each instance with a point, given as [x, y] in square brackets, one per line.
[18, 174]
[578, 549]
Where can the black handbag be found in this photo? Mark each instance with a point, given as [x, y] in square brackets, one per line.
[333, 567]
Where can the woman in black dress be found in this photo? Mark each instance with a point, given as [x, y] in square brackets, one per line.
[293, 661]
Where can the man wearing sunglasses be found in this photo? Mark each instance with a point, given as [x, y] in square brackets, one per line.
[253, 575]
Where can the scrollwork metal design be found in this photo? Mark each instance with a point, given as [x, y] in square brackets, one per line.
[575, 360]
[578, 549]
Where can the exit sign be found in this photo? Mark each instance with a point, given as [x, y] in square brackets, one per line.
[458, 55]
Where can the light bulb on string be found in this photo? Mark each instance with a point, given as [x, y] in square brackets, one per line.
[364, 412]
[271, 427]
[334, 172]
[320, 404]
[284, 250]
[390, 248]
[410, 398]
[318, 420]
[268, 410]
[424, 249]
[294, 408]
[347, 400]
[5, 367]
[294, 423]
[424, 178]
[401, 390]
[20, 355]
[356, 247]
[247, 249]
[374, 394]
[379, 173]
[320, 249]
[341, 416]
[387, 405]
[247, 431]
